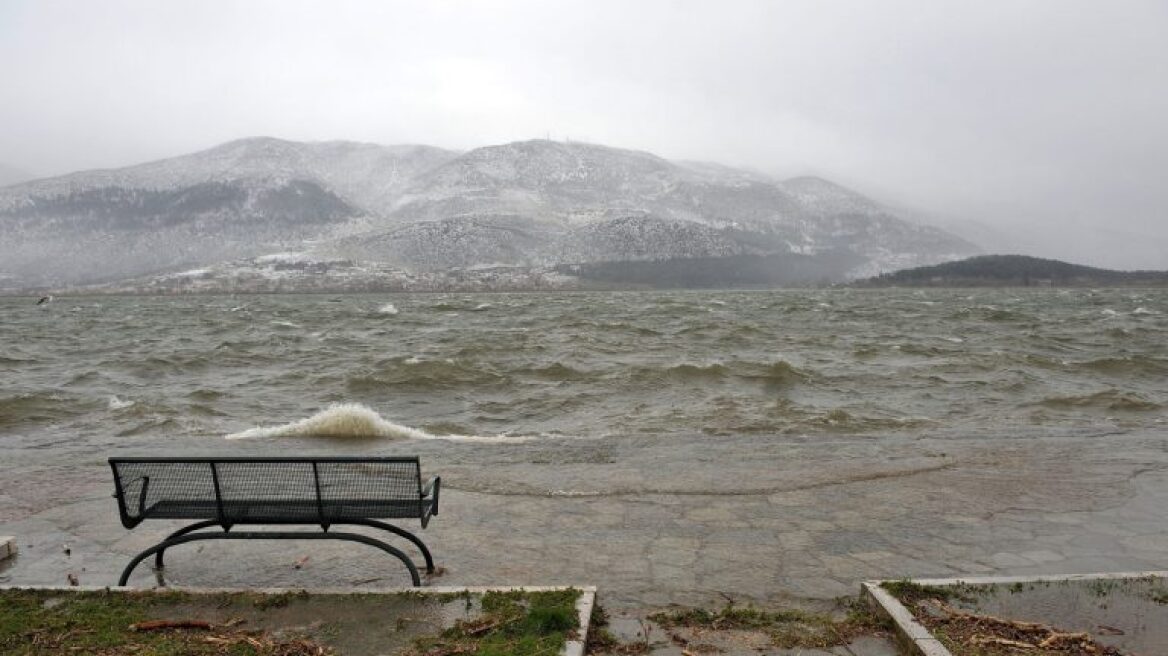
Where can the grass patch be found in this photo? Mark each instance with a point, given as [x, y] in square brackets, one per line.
[910, 591]
[165, 623]
[511, 624]
[42, 622]
[786, 628]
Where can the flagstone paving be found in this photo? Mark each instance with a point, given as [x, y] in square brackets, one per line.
[774, 530]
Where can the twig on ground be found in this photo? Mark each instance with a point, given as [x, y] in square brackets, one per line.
[155, 625]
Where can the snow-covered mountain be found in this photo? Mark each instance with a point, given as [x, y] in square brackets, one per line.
[368, 175]
[533, 203]
[575, 203]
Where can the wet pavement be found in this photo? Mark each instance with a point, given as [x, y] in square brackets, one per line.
[773, 527]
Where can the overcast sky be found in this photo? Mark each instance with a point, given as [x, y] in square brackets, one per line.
[1020, 115]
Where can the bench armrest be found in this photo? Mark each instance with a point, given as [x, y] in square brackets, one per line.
[126, 490]
[431, 491]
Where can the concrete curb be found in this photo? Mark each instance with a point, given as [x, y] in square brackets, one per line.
[912, 634]
[572, 647]
[7, 546]
[584, 607]
[1047, 578]
[919, 640]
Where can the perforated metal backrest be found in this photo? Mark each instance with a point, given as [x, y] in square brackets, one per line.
[259, 490]
[267, 489]
[143, 484]
[396, 483]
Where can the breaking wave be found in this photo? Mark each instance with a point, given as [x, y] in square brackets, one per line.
[356, 421]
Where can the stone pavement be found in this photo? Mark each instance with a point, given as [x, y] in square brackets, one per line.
[653, 525]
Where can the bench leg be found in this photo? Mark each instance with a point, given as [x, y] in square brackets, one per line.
[182, 531]
[403, 533]
[270, 535]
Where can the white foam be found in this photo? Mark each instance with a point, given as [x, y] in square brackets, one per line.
[353, 420]
[388, 308]
[280, 258]
[117, 404]
[482, 307]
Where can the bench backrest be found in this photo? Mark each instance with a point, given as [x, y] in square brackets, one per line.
[267, 490]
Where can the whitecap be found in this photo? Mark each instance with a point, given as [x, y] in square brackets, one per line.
[285, 324]
[354, 420]
[388, 308]
[481, 307]
[117, 404]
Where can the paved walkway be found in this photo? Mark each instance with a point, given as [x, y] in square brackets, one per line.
[752, 521]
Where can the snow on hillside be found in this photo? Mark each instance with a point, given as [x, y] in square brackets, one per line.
[531, 204]
[367, 175]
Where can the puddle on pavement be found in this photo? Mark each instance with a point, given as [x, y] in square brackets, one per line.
[1129, 614]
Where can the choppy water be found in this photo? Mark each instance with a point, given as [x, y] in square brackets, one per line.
[193, 370]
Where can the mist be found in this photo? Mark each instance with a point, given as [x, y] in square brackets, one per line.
[1029, 127]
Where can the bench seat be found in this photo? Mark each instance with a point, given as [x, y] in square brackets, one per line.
[269, 511]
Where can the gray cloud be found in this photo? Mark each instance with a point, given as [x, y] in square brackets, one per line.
[1042, 120]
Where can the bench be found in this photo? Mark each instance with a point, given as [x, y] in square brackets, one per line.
[221, 493]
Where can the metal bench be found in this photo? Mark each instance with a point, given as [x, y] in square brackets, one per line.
[222, 493]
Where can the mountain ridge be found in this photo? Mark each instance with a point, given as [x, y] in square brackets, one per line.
[534, 203]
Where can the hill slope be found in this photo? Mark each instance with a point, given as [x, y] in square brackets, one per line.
[1013, 270]
[524, 204]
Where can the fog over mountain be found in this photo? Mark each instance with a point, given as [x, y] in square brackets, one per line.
[12, 175]
[1032, 127]
[535, 204]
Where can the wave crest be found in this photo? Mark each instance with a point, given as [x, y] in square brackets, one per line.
[357, 421]
[1108, 399]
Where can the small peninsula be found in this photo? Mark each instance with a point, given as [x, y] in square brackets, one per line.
[1014, 271]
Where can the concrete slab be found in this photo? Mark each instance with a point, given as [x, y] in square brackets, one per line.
[584, 604]
[1098, 502]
